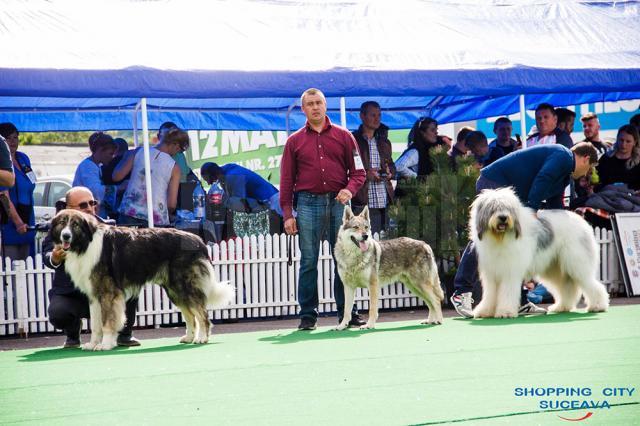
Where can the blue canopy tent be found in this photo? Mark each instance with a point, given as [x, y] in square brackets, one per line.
[243, 64]
[75, 114]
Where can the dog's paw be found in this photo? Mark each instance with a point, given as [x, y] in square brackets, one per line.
[597, 308]
[506, 314]
[484, 310]
[104, 346]
[482, 313]
[186, 339]
[201, 340]
[89, 346]
[431, 321]
[342, 326]
[557, 308]
[368, 326]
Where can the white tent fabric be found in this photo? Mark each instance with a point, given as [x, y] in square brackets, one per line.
[231, 64]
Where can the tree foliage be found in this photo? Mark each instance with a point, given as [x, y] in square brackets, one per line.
[436, 209]
[67, 138]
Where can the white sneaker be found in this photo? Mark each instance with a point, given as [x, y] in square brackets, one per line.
[462, 303]
[531, 309]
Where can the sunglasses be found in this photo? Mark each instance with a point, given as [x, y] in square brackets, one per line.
[86, 204]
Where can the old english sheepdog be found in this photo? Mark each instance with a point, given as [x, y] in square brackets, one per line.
[514, 243]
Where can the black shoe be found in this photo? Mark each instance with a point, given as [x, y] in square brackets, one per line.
[307, 323]
[356, 321]
[73, 337]
[127, 341]
[71, 343]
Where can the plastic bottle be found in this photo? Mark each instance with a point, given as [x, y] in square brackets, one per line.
[215, 196]
[198, 202]
[215, 207]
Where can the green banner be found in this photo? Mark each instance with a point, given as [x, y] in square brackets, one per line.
[260, 151]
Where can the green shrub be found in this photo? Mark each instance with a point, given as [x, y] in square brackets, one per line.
[436, 209]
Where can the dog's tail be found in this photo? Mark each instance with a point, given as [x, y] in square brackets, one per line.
[433, 272]
[219, 293]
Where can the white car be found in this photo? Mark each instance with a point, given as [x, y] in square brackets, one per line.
[49, 189]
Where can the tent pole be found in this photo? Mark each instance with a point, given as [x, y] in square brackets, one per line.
[343, 112]
[288, 118]
[135, 125]
[147, 160]
[523, 121]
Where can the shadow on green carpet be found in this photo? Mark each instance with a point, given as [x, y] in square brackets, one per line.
[297, 336]
[533, 319]
[60, 353]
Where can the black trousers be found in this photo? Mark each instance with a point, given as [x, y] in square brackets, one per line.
[67, 310]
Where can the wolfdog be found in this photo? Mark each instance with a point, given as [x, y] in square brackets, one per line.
[364, 262]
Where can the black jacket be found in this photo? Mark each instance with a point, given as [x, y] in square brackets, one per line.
[497, 151]
[361, 198]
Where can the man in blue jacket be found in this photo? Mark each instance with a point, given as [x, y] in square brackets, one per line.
[7, 176]
[538, 175]
[245, 190]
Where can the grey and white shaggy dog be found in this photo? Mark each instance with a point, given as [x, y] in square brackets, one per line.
[110, 264]
[364, 262]
[514, 243]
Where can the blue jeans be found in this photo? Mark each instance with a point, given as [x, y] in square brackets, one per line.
[539, 294]
[319, 216]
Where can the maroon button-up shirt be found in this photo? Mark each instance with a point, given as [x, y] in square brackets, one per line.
[318, 163]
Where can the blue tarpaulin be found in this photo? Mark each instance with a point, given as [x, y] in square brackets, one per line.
[242, 64]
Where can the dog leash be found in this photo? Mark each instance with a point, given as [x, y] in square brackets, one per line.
[289, 250]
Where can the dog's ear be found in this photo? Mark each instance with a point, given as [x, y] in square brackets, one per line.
[54, 229]
[480, 233]
[365, 213]
[481, 228]
[347, 214]
[88, 225]
[517, 227]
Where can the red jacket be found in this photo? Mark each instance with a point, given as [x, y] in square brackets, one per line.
[318, 163]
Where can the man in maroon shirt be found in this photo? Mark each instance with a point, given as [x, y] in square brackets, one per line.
[321, 165]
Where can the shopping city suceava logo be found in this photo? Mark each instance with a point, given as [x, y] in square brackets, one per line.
[571, 399]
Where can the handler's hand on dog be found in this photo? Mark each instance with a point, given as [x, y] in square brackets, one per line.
[21, 228]
[290, 226]
[58, 255]
[344, 196]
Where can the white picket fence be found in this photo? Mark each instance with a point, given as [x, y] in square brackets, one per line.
[266, 286]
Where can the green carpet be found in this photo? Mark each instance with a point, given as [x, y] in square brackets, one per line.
[463, 372]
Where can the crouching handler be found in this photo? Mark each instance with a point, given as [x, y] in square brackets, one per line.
[67, 305]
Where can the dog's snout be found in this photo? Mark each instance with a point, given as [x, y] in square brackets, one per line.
[65, 235]
[364, 237]
[503, 218]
